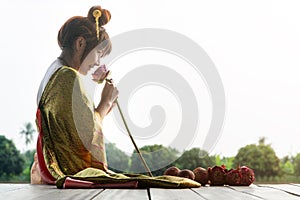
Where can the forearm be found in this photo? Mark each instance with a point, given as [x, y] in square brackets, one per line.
[108, 97]
[103, 108]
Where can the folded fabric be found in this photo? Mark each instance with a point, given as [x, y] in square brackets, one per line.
[96, 178]
[71, 183]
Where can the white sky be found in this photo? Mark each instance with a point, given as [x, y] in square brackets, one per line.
[255, 46]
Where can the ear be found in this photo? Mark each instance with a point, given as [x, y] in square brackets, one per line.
[80, 44]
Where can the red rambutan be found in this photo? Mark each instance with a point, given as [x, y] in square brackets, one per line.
[172, 171]
[201, 175]
[217, 175]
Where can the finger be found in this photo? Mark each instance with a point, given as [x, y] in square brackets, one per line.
[116, 91]
[114, 104]
[114, 95]
[109, 87]
[109, 80]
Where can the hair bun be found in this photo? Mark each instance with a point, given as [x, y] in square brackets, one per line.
[105, 15]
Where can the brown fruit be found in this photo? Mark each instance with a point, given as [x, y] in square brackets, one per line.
[233, 177]
[247, 176]
[217, 175]
[186, 173]
[201, 175]
[172, 171]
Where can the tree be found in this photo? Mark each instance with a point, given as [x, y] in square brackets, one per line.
[286, 165]
[157, 157]
[296, 162]
[28, 157]
[261, 158]
[11, 162]
[117, 160]
[27, 130]
[195, 158]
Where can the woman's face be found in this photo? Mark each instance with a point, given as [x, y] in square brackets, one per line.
[91, 60]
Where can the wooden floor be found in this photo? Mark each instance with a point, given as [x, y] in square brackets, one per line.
[254, 192]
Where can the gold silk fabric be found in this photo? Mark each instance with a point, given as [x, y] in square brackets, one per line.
[73, 145]
[100, 179]
[72, 135]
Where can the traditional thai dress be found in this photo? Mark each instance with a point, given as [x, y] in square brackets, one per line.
[70, 148]
[70, 135]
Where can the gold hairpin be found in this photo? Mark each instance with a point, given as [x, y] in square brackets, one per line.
[97, 14]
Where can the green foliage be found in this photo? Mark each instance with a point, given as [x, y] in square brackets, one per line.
[287, 166]
[157, 157]
[227, 161]
[15, 167]
[195, 158]
[11, 162]
[23, 177]
[28, 156]
[296, 161]
[117, 160]
[261, 158]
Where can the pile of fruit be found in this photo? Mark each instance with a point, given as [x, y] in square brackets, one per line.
[216, 176]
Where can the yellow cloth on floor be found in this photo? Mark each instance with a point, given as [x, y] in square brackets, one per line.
[99, 176]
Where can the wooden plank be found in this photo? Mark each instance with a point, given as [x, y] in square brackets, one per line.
[221, 192]
[296, 184]
[123, 194]
[264, 192]
[49, 192]
[289, 188]
[253, 192]
[174, 194]
[75, 194]
[5, 187]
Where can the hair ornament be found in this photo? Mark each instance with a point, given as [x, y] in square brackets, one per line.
[97, 14]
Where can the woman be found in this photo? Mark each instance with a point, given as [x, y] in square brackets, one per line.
[70, 134]
[70, 148]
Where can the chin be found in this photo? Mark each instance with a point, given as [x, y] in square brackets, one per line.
[83, 73]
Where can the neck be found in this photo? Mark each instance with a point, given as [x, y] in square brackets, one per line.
[69, 60]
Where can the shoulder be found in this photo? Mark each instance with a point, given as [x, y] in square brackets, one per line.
[65, 76]
[63, 86]
[67, 72]
[63, 79]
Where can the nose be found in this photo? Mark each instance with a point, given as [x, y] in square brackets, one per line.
[97, 63]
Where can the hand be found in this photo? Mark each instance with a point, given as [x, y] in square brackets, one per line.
[100, 74]
[108, 98]
[109, 92]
